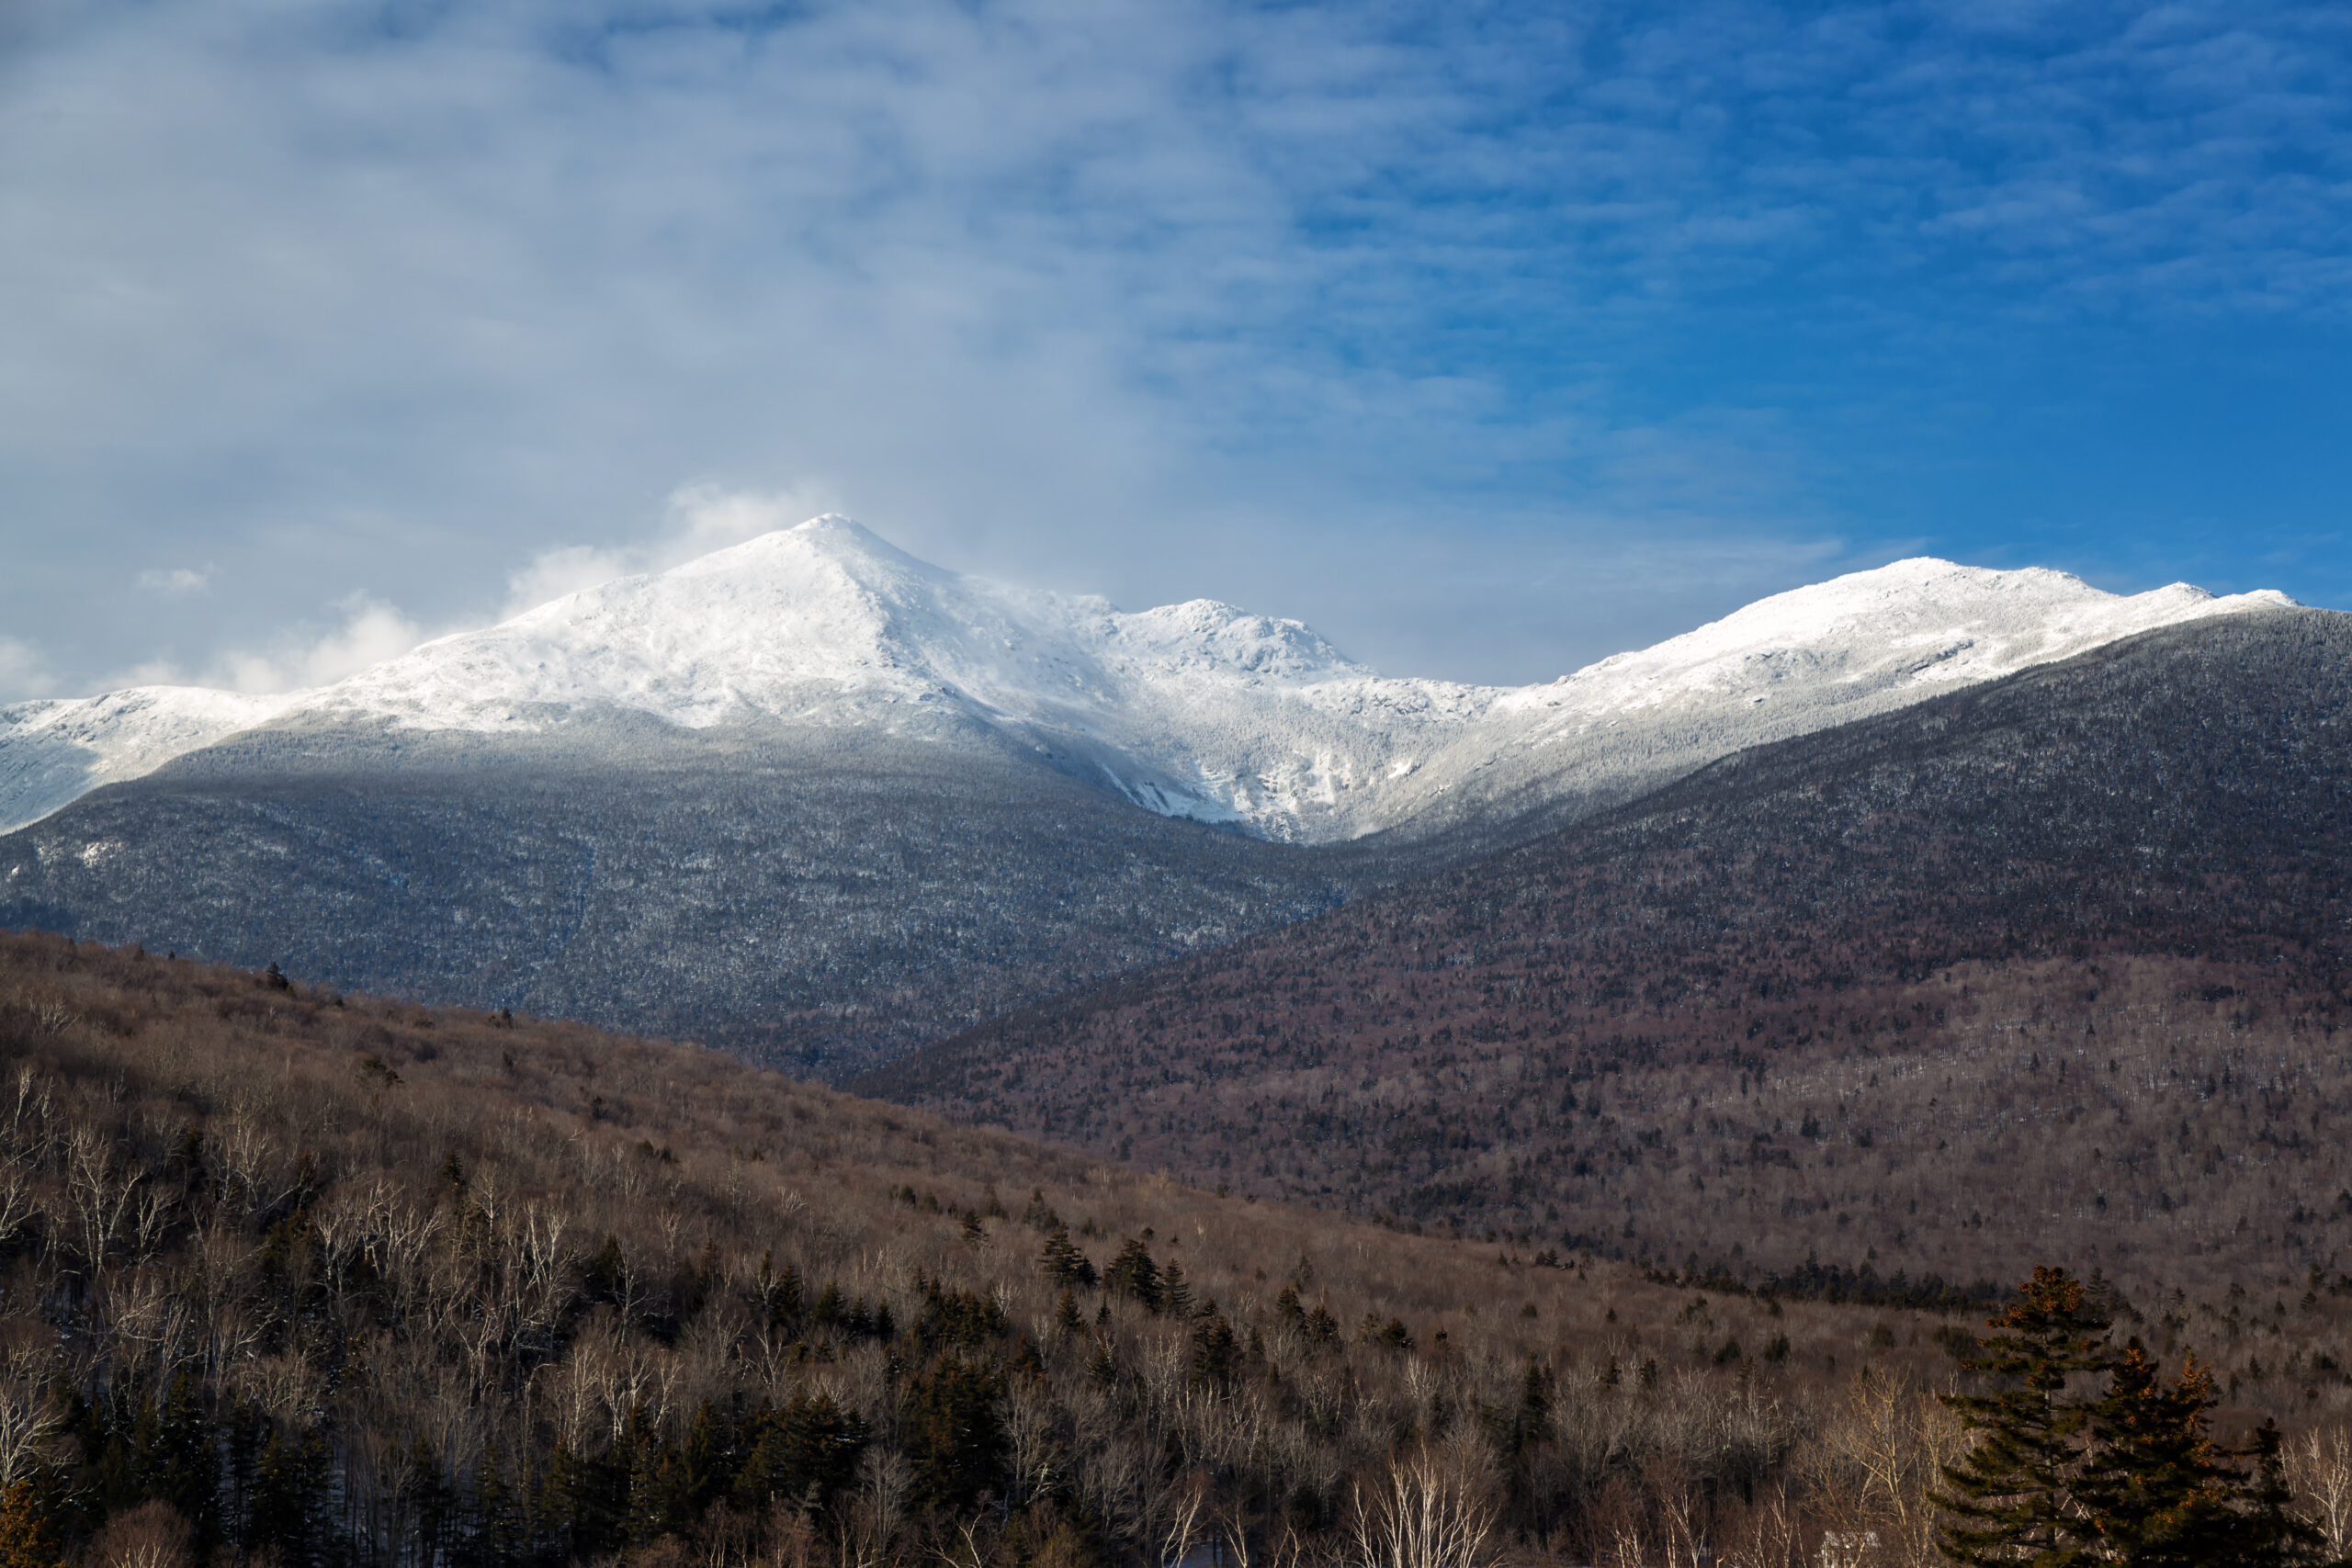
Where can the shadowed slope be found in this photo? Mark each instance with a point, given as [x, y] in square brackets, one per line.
[818, 902]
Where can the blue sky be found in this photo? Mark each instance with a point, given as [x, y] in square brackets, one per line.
[1489, 339]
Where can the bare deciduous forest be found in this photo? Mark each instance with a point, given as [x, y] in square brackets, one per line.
[307, 1279]
[2054, 966]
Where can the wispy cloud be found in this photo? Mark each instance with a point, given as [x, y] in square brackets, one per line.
[177, 580]
[352, 635]
[698, 519]
[23, 672]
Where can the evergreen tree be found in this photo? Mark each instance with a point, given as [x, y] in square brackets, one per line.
[1322, 1329]
[2269, 1532]
[2013, 1499]
[1175, 1295]
[802, 1456]
[1287, 1307]
[778, 1295]
[1533, 1420]
[183, 1465]
[661, 1500]
[494, 1523]
[1063, 1263]
[1132, 1273]
[289, 1494]
[952, 1435]
[586, 1502]
[1214, 1349]
[427, 1500]
[2158, 1491]
[24, 1538]
[1039, 1215]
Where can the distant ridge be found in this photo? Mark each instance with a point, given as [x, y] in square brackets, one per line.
[1197, 710]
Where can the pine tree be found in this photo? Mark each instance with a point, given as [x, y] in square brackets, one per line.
[1534, 1424]
[186, 1461]
[1175, 1295]
[1063, 1263]
[2012, 1499]
[2268, 1533]
[778, 1294]
[427, 1499]
[290, 1491]
[494, 1523]
[1132, 1273]
[1214, 1349]
[953, 1437]
[25, 1538]
[2158, 1491]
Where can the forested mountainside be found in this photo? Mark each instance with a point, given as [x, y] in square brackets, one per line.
[2055, 964]
[296, 1278]
[810, 902]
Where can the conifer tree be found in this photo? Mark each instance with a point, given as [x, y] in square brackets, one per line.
[778, 1294]
[1175, 1295]
[2158, 1491]
[954, 1440]
[1214, 1349]
[428, 1497]
[1063, 1263]
[2013, 1498]
[2269, 1534]
[184, 1466]
[25, 1540]
[493, 1538]
[1132, 1273]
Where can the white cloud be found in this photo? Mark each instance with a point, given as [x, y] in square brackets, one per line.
[176, 580]
[23, 672]
[566, 568]
[697, 520]
[368, 633]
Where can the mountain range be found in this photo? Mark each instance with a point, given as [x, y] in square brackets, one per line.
[820, 802]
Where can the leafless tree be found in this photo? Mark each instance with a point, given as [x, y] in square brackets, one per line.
[1433, 1508]
[2319, 1467]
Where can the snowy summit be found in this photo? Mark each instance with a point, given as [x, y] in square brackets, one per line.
[1197, 710]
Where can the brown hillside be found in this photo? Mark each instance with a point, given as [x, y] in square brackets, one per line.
[2056, 966]
[301, 1279]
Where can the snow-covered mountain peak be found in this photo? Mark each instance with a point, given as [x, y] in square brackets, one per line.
[1197, 709]
[1918, 621]
[1207, 635]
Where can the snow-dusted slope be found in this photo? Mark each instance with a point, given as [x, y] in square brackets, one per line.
[1787, 665]
[53, 753]
[1195, 710]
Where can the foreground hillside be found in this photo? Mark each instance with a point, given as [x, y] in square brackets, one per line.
[305, 1279]
[2057, 964]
